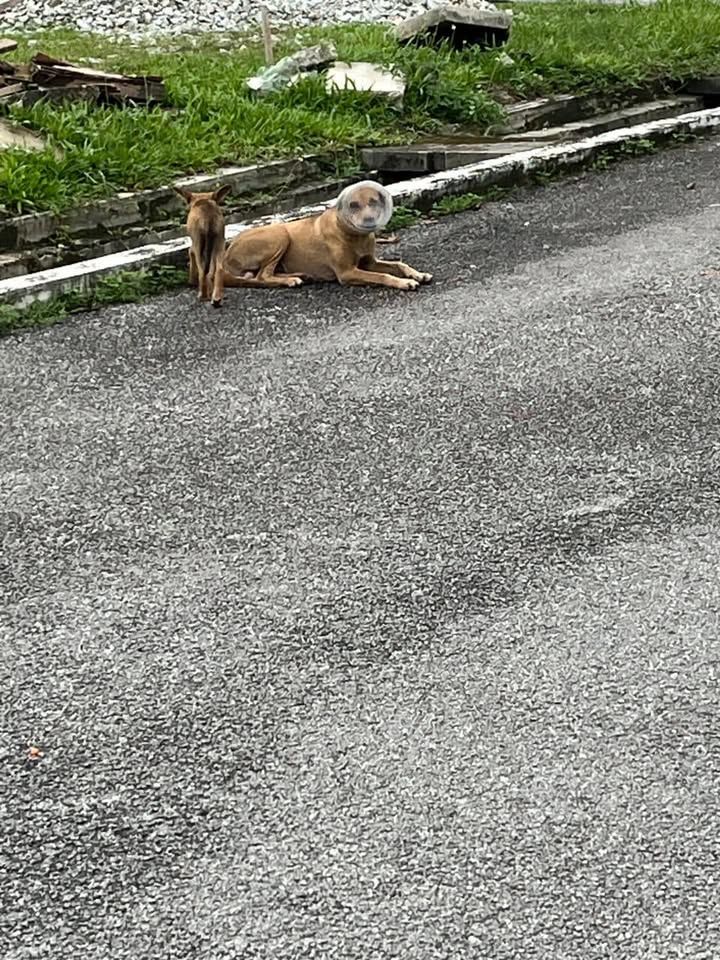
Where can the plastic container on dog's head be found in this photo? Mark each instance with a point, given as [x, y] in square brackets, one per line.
[365, 207]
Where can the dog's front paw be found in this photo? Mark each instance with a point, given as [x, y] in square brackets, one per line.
[425, 277]
[295, 281]
[408, 284]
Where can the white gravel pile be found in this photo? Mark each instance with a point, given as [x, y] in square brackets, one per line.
[182, 16]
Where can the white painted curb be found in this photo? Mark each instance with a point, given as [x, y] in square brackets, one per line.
[24, 290]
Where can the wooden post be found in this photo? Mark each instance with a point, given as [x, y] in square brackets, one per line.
[267, 35]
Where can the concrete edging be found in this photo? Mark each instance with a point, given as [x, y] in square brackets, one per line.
[131, 208]
[421, 192]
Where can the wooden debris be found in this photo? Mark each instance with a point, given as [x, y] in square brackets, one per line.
[9, 91]
[49, 72]
[47, 77]
[6, 45]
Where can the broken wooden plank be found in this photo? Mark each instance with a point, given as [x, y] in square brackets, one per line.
[57, 80]
[6, 45]
[10, 90]
[51, 72]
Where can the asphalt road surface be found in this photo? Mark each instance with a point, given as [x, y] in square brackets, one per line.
[359, 624]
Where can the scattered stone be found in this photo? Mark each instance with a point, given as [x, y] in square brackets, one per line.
[367, 77]
[459, 24]
[290, 69]
[6, 45]
[184, 16]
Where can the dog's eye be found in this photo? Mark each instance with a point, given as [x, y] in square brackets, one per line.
[373, 202]
[354, 205]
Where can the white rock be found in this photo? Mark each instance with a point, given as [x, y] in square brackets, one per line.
[188, 16]
[366, 77]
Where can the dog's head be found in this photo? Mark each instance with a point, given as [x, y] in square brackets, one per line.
[365, 207]
[217, 196]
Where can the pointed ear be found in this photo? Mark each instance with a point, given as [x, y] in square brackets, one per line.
[185, 194]
[342, 200]
[221, 193]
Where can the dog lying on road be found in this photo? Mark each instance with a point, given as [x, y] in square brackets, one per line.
[206, 228]
[339, 244]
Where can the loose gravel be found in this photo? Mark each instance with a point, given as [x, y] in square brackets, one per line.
[182, 16]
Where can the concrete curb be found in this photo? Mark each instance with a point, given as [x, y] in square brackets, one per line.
[146, 207]
[421, 193]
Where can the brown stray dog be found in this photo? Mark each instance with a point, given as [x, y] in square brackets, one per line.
[338, 244]
[206, 229]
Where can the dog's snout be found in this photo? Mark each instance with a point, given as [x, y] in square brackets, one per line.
[368, 221]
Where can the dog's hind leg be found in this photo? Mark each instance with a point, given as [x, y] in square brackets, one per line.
[218, 282]
[265, 276]
[203, 284]
[192, 269]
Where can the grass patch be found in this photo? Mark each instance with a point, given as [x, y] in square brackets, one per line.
[467, 201]
[569, 47]
[403, 217]
[130, 286]
[409, 216]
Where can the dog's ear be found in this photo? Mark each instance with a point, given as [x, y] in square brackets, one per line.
[386, 201]
[342, 200]
[185, 194]
[221, 193]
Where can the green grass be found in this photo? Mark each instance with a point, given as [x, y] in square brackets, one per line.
[409, 216]
[126, 287]
[403, 217]
[558, 47]
[467, 201]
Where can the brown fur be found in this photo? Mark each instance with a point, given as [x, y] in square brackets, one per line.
[206, 229]
[326, 247]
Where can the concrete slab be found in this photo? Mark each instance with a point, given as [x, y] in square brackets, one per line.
[459, 24]
[563, 108]
[13, 137]
[639, 113]
[704, 87]
[458, 155]
[367, 77]
[431, 157]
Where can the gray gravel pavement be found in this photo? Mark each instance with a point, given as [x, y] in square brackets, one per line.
[355, 624]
